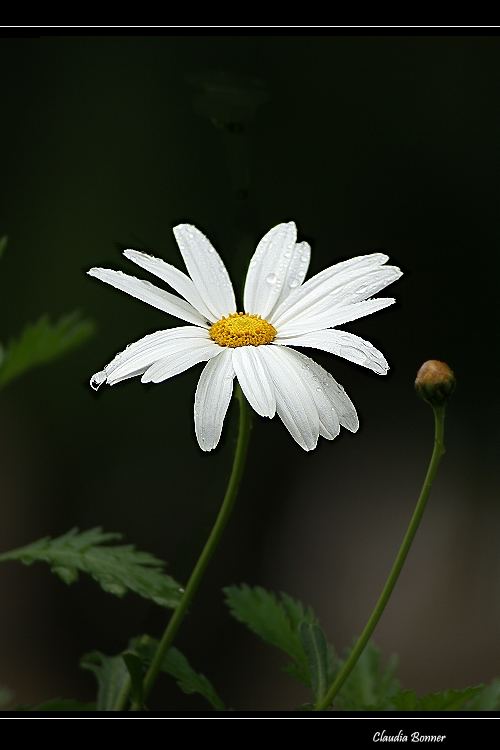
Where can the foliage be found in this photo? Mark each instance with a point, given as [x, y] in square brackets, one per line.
[276, 619]
[123, 674]
[5, 697]
[447, 700]
[117, 568]
[371, 683]
[112, 677]
[177, 666]
[319, 657]
[42, 342]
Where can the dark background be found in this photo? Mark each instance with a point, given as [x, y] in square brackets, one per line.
[367, 143]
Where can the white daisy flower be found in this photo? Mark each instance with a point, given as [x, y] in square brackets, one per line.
[281, 310]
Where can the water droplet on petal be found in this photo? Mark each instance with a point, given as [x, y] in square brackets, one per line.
[294, 283]
[98, 379]
[271, 278]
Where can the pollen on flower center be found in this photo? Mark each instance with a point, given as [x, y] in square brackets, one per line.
[242, 329]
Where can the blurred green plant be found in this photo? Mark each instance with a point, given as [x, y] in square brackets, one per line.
[291, 627]
[41, 342]
[276, 619]
[117, 568]
[5, 694]
[372, 685]
[122, 675]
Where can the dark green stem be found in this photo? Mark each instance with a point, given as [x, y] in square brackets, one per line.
[208, 550]
[391, 581]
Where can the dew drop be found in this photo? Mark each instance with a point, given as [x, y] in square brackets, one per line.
[271, 278]
[294, 283]
[97, 380]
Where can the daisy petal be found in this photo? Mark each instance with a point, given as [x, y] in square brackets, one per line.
[137, 357]
[179, 355]
[343, 344]
[346, 268]
[329, 425]
[213, 394]
[254, 380]
[294, 403]
[207, 270]
[295, 275]
[337, 290]
[173, 277]
[335, 317]
[150, 294]
[268, 269]
[336, 395]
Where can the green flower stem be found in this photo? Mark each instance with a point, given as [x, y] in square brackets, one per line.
[391, 581]
[210, 545]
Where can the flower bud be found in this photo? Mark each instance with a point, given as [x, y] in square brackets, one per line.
[435, 382]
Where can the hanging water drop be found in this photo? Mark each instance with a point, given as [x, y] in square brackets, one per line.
[97, 380]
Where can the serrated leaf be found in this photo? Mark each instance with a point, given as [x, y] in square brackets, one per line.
[112, 678]
[135, 669]
[487, 699]
[318, 656]
[275, 620]
[371, 685]
[3, 245]
[177, 666]
[5, 696]
[59, 704]
[118, 568]
[446, 700]
[42, 342]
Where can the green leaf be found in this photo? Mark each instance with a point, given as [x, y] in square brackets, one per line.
[136, 673]
[487, 699]
[42, 342]
[5, 696]
[370, 685]
[118, 568]
[3, 245]
[59, 704]
[190, 681]
[275, 620]
[177, 666]
[112, 677]
[446, 700]
[318, 657]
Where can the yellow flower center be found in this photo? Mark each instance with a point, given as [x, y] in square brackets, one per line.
[240, 329]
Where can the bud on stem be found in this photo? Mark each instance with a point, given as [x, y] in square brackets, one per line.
[435, 382]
